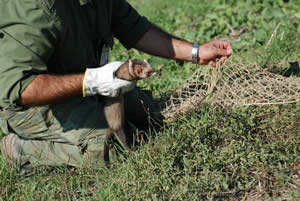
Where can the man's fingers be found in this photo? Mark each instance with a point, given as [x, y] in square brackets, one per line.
[212, 63]
[224, 52]
[224, 45]
[214, 53]
[221, 61]
[218, 62]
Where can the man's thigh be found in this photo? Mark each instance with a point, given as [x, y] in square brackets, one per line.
[71, 122]
[77, 120]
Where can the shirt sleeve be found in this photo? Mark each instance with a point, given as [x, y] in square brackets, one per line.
[128, 26]
[27, 38]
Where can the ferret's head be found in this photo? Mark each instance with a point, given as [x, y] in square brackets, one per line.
[141, 69]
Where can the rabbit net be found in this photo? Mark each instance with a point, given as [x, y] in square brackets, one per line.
[231, 85]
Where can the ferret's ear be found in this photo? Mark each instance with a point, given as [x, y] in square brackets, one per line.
[146, 61]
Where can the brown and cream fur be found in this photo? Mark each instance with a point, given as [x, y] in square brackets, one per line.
[114, 107]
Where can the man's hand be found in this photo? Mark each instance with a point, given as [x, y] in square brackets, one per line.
[214, 52]
[103, 81]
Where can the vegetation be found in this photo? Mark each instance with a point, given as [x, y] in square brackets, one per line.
[247, 153]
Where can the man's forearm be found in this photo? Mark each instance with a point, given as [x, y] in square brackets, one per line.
[48, 89]
[159, 43]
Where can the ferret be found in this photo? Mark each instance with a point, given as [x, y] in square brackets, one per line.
[114, 107]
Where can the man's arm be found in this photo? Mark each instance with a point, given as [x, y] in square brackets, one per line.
[48, 89]
[160, 43]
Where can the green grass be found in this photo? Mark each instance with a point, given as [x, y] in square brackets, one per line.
[211, 154]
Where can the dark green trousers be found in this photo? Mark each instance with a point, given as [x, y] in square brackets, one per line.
[73, 133]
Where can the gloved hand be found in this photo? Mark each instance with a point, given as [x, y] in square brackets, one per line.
[103, 81]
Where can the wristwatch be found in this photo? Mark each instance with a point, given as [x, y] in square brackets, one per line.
[195, 51]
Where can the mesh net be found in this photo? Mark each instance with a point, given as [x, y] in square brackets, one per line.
[231, 85]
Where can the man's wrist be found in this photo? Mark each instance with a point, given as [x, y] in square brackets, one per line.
[195, 52]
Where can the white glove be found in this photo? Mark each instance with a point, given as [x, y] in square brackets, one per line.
[103, 81]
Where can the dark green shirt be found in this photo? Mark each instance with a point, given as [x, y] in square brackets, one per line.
[59, 37]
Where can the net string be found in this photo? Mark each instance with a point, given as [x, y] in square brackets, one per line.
[234, 84]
